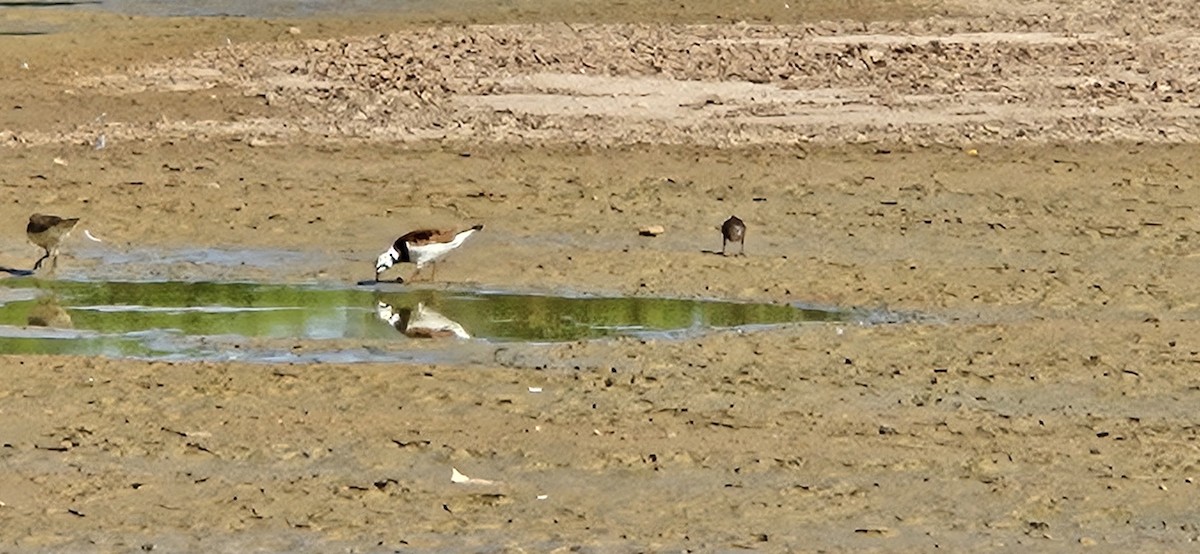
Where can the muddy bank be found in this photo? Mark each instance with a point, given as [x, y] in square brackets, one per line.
[1022, 174]
[1097, 231]
[909, 439]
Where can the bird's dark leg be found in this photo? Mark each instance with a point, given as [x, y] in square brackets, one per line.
[38, 264]
[723, 241]
[743, 250]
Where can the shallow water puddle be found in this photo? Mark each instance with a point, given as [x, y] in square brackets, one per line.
[184, 320]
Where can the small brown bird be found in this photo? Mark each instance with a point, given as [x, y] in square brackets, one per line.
[48, 231]
[733, 230]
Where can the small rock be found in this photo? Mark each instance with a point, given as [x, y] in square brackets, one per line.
[651, 230]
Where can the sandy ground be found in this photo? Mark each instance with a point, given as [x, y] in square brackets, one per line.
[1018, 172]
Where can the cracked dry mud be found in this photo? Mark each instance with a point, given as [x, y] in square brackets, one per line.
[1019, 172]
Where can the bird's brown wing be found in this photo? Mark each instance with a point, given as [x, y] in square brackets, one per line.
[734, 229]
[39, 223]
[427, 236]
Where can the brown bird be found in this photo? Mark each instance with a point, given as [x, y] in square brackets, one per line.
[421, 247]
[48, 231]
[733, 230]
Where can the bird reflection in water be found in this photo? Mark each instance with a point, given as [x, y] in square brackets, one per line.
[49, 313]
[420, 322]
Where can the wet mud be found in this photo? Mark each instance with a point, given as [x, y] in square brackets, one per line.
[1021, 173]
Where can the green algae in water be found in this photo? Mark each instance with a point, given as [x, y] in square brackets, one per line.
[148, 319]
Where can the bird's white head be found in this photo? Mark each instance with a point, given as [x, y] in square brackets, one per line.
[386, 260]
[386, 312]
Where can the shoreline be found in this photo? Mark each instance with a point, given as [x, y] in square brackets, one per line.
[1050, 405]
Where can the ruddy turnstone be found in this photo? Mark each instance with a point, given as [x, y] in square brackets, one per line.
[48, 231]
[420, 322]
[733, 230]
[422, 247]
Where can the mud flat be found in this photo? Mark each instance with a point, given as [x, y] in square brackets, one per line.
[1020, 172]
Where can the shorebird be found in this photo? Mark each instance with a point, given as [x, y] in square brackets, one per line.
[422, 247]
[420, 322]
[48, 231]
[733, 230]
